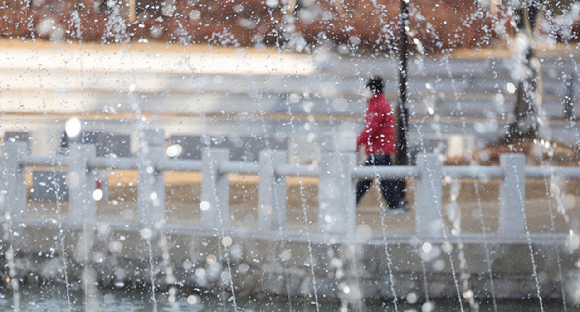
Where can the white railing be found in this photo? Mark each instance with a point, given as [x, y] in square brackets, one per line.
[336, 172]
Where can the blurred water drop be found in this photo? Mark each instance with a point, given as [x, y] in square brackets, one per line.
[146, 233]
[227, 241]
[192, 299]
[187, 264]
[211, 259]
[510, 87]
[428, 307]
[200, 272]
[73, 127]
[426, 247]
[97, 194]
[286, 255]
[412, 298]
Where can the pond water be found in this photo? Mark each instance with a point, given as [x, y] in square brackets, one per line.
[54, 299]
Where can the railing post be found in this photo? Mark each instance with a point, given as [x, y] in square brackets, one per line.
[81, 184]
[512, 195]
[272, 191]
[151, 189]
[13, 194]
[215, 193]
[336, 191]
[428, 198]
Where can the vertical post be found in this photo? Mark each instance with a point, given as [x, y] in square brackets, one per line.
[512, 195]
[151, 189]
[13, 195]
[272, 191]
[402, 113]
[81, 184]
[428, 198]
[336, 190]
[215, 192]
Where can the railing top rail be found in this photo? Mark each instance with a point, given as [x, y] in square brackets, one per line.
[113, 163]
[49, 161]
[297, 170]
[241, 167]
[473, 172]
[179, 165]
[396, 172]
[572, 173]
[363, 172]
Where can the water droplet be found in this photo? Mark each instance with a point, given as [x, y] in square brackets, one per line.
[146, 234]
[412, 298]
[510, 87]
[227, 241]
[192, 299]
[267, 209]
[73, 127]
[428, 307]
[211, 259]
[426, 247]
[97, 194]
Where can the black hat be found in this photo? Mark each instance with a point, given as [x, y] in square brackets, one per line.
[377, 84]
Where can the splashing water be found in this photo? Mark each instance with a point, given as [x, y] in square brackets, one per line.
[389, 263]
[486, 246]
[315, 287]
[62, 241]
[151, 270]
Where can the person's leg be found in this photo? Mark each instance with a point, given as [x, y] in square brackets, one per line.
[389, 187]
[391, 192]
[363, 186]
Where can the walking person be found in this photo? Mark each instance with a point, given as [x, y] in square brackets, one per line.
[379, 137]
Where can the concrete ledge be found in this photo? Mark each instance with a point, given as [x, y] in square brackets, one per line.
[282, 263]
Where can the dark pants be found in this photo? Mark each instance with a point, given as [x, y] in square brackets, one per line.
[389, 187]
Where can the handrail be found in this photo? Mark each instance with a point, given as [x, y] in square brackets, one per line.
[59, 161]
[395, 172]
[241, 167]
[113, 163]
[179, 165]
[362, 172]
[473, 172]
[572, 173]
[297, 170]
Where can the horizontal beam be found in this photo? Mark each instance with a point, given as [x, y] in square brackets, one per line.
[179, 165]
[240, 167]
[47, 161]
[297, 171]
[295, 236]
[108, 163]
[386, 172]
[473, 172]
[361, 172]
[572, 173]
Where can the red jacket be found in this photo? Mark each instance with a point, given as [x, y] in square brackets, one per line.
[379, 131]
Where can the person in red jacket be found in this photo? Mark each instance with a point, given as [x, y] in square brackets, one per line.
[379, 137]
